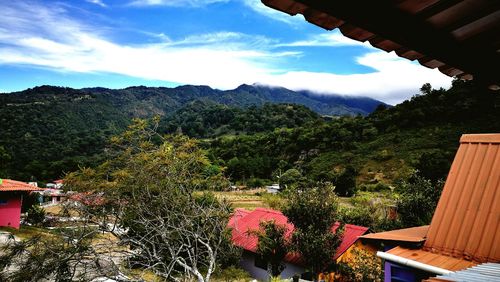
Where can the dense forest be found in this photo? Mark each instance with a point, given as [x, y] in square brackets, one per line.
[252, 131]
[390, 144]
[47, 131]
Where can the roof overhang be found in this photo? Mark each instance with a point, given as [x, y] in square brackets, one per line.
[459, 37]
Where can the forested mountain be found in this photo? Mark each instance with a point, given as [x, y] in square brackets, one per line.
[203, 119]
[47, 130]
[419, 134]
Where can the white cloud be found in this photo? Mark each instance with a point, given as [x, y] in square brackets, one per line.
[394, 80]
[97, 2]
[328, 39]
[35, 35]
[175, 3]
[259, 7]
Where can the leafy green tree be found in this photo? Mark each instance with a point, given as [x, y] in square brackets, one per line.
[418, 200]
[4, 159]
[36, 215]
[345, 181]
[148, 186]
[272, 246]
[313, 212]
[289, 178]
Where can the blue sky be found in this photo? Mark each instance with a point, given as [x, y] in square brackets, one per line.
[220, 43]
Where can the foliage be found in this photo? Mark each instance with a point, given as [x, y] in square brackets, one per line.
[232, 274]
[149, 185]
[274, 201]
[418, 200]
[56, 258]
[313, 212]
[36, 215]
[53, 130]
[207, 119]
[289, 178]
[361, 266]
[272, 246]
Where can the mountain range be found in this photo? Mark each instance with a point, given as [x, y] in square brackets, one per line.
[47, 130]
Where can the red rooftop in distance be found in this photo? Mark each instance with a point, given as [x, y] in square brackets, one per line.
[243, 221]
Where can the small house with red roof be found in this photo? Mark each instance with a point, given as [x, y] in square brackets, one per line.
[11, 198]
[243, 221]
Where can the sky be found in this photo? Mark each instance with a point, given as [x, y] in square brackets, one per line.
[220, 43]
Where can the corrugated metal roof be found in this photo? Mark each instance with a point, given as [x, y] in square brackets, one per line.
[437, 260]
[486, 272]
[13, 185]
[466, 223]
[413, 235]
[460, 37]
[243, 221]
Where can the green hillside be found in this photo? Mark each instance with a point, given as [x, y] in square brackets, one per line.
[47, 131]
[388, 145]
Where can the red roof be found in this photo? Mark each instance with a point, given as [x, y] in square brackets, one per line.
[243, 221]
[13, 185]
[59, 181]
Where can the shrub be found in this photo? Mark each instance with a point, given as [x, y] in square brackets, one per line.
[362, 266]
[274, 201]
[233, 273]
[36, 215]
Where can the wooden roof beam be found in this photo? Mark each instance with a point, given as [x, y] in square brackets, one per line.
[386, 20]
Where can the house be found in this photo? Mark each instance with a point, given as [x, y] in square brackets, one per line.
[243, 220]
[464, 234]
[52, 196]
[273, 189]
[11, 198]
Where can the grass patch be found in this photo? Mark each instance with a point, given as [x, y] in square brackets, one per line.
[27, 232]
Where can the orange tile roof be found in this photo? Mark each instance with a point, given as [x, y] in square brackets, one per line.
[466, 223]
[437, 33]
[413, 235]
[13, 185]
[437, 260]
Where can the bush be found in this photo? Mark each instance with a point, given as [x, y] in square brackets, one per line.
[231, 274]
[362, 266]
[36, 216]
[274, 201]
[256, 183]
[418, 200]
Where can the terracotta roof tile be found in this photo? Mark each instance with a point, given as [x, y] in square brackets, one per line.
[413, 234]
[13, 185]
[437, 260]
[466, 222]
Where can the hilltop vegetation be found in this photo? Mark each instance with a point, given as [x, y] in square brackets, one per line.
[47, 131]
[388, 145]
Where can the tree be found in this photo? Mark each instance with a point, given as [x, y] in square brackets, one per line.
[290, 177]
[36, 215]
[418, 200]
[145, 195]
[313, 212]
[272, 246]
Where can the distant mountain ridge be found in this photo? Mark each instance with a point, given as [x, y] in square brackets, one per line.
[47, 130]
[245, 96]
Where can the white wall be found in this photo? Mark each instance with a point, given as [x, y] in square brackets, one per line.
[248, 263]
